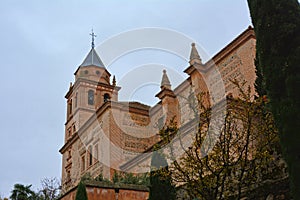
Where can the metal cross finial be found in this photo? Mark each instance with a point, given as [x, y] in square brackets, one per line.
[93, 38]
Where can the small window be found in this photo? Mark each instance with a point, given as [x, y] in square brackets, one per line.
[98, 72]
[90, 155]
[86, 71]
[96, 153]
[106, 97]
[70, 107]
[82, 163]
[76, 97]
[69, 132]
[91, 97]
[68, 178]
[69, 154]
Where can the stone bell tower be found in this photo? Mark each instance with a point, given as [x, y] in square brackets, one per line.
[92, 88]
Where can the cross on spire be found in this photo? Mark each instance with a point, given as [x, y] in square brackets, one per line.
[93, 38]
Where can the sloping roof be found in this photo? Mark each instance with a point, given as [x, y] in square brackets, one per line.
[92, 59]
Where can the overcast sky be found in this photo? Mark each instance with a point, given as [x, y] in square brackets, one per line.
[43, 43]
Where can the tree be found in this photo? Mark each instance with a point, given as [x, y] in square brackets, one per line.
[3, 198]
[277, 28]
[125, 178]
[22, 192]
[161, 187]
[116, 177]
[246, 154]
[81, 192]
[50, 189]
[139, 179]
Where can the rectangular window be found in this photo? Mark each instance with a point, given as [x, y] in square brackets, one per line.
[71, 107]
[91, 97]
[69, 154]
[69, 132]
[82, 163]
[96, 153]
[68, 178]
[76, 99]
[90, 155]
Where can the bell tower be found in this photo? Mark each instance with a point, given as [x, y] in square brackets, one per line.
[91, 90]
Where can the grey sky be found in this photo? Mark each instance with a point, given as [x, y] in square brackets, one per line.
[43, 43]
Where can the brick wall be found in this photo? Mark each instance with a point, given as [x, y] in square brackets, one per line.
[98, 191]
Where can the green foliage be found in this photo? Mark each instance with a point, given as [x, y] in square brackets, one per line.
[161, 186]
[245, 155]
[22, 192]
[116, 178]
[99, 177]
[129, 178]
[50, 190]
[259, 82]
[102, 179]
[126, 178]
[277, 28]
[86, 177]
[81, 192]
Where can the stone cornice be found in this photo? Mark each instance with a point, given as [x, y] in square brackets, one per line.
[237, 42]
[68, 143]
[95, 83]
[165, 92]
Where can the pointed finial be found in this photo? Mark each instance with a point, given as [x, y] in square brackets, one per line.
[194, 57]
[93, 38]
[114, 81]
[165, 82]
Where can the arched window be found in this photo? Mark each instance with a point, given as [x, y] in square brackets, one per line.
[91, 97]
[106, 97]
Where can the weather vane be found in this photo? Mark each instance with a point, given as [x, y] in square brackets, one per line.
[93, 38]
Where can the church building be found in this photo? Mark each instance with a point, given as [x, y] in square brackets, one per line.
[103, 134]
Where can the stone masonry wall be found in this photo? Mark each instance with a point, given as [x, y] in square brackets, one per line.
[95, 192]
